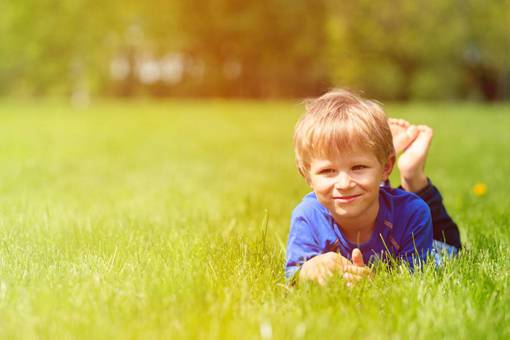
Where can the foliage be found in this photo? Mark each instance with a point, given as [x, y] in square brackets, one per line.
[262, 49]
[278, 45]
[424, 49]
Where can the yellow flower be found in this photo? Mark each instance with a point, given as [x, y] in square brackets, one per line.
[480, 189]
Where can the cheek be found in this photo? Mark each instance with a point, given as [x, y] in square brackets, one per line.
[368, 178]
[322, 185]
[363, 177]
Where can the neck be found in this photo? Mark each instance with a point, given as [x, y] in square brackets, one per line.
[359, 229]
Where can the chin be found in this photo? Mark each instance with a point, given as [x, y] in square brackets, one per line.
[346, 214]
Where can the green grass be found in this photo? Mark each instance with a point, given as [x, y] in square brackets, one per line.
[170, 219]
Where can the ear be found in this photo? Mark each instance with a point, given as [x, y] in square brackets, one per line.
[309, 182]
[303, 172]
[306, 176]
[388, 167]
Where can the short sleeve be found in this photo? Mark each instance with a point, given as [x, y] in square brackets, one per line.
[417, 241]
[301, 246]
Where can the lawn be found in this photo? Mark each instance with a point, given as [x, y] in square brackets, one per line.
[169, 219]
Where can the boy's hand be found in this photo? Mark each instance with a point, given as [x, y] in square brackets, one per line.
[321, 267]
[357, 270]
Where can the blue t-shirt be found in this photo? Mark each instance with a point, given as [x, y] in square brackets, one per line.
[403, 230]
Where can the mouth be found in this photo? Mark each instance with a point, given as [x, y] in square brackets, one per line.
[346, 198]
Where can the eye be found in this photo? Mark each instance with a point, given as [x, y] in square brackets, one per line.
[359, 167]
[327, 171]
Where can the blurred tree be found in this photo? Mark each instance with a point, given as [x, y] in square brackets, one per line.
[420, 49]
[402, 50]
[261, 48]
[391, 51]
[51, 46]
[487, 47]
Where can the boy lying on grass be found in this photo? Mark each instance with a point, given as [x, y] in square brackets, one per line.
[345, 148]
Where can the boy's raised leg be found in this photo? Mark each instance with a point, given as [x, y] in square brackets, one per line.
[411, 163]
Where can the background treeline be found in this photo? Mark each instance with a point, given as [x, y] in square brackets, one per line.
[435, 49]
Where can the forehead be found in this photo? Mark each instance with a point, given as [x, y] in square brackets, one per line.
[349, 154]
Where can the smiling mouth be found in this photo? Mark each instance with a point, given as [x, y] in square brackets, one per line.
[346, 198]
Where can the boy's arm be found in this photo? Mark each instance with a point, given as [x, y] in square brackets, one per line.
[301, 246]
[306, 261]
[417, 243]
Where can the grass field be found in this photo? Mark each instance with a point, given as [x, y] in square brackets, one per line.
[170, 219]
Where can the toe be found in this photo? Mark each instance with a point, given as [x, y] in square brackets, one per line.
[412, 132]
[404, 123]
[424, 129]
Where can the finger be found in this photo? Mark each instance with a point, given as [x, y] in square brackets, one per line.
[324, 274]
[357, 270]
[337, 258]
[344, 260]
[351, 277]
[357, 257]
[336, 264]
[363, 271]
[327, 273]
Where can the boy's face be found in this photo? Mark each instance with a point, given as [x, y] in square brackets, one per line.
[348, 185]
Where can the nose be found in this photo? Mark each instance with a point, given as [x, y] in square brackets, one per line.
[343, 181]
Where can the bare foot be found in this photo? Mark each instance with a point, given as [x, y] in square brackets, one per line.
[412, 162]
[403, 133]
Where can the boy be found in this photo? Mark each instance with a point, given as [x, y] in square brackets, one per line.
[344, 149]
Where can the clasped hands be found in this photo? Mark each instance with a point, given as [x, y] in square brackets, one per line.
[325, 266]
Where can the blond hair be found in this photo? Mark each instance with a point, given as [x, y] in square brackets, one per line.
[336, 122]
